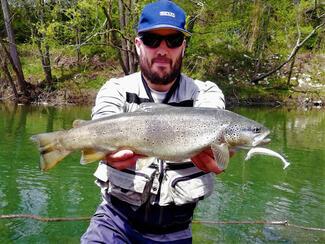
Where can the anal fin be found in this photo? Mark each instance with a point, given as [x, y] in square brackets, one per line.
[91, 155]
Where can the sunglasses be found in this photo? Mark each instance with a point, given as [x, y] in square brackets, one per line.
[153, 40]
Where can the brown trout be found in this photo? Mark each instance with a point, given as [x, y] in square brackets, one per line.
[154, 130]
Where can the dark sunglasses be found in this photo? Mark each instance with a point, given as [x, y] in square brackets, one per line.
[154, 40]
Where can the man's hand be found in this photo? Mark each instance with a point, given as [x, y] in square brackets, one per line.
[122, 159]
[206, 162]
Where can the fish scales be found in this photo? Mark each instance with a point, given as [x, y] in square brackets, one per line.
[166, 135]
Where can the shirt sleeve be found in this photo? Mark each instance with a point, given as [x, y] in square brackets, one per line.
[209, 95]
[110, 100]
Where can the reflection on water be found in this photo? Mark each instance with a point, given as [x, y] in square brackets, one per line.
[258, 189]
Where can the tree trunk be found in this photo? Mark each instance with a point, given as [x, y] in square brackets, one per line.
[112, 37]
[255, 25]
[47, 66]
[13, 49]
[78, 45]
[45, 55]
[261, 38]
[126, 51]
[290, 70]
[7, 74]
[124, 47]
[45, 59]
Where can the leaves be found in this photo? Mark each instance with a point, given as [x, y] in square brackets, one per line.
[229, 34]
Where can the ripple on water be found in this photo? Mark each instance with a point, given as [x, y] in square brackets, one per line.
[284, 187]
[3, 197]
[278, 208]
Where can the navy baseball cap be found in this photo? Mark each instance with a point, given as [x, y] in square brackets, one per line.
[162, 14]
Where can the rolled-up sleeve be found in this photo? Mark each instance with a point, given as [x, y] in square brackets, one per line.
[110, 100]
[209, 95]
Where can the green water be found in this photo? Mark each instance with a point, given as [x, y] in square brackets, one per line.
[255, 190]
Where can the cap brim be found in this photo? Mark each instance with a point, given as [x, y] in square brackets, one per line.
[185, 32]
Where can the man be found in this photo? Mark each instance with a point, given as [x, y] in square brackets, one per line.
[154, 204]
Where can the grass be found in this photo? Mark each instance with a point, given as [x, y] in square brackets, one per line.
[67, 71]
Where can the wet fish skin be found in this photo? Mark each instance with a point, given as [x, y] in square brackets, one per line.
[162, 131]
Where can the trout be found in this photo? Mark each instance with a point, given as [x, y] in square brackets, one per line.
[155, 130]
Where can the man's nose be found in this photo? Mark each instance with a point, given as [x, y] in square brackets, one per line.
[162, 48]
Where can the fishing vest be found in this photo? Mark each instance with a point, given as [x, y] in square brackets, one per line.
[163, 182]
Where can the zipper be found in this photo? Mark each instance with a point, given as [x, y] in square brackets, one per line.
[160, 179]
[187, 177]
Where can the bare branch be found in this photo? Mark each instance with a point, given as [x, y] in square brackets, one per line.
[292, 54]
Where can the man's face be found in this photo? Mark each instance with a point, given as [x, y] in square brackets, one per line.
[162, 64]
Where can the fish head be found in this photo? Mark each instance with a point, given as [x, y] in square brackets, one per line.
[246, 134]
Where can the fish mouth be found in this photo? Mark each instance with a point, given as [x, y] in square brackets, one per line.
[261, 139]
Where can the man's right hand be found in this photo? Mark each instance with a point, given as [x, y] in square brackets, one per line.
[122, 159]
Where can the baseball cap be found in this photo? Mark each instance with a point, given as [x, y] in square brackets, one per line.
[162, 14]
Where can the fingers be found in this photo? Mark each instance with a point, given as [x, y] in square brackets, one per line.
[126, 158]
[119, 156]
[122, 159]
[120, 165]
[205, 161]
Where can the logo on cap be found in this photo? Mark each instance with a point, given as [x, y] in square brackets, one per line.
[166, 13]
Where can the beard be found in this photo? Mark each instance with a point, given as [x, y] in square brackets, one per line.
[162, 78]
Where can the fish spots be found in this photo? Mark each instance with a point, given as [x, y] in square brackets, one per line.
[232, 134]
[233, 130]
[149, 142]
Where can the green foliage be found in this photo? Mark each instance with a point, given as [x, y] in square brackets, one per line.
[232, 41]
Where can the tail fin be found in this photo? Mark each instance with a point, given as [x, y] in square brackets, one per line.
[51, 151]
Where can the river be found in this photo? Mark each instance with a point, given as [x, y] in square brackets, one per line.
[254, 190]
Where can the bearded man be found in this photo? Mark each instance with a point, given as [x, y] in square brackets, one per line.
[154, 204]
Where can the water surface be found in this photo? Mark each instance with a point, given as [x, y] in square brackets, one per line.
[258, 189]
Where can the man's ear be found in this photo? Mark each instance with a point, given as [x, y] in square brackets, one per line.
[184, 47]
[183, 52]
[137, 46]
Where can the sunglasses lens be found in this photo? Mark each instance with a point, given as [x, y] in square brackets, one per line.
[149, 40]
[153, 41]
[174, 41]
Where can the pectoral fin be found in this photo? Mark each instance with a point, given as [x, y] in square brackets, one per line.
[90, 155]
[221, 154]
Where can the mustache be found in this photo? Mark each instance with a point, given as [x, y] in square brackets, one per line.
[161, 59]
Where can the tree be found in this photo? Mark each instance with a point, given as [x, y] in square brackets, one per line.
[43, 46]
[122, 33]
[13, 49]
[6, 71]
[292, 55]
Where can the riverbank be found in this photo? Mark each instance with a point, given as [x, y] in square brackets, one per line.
[75, 86]
[258, 96]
